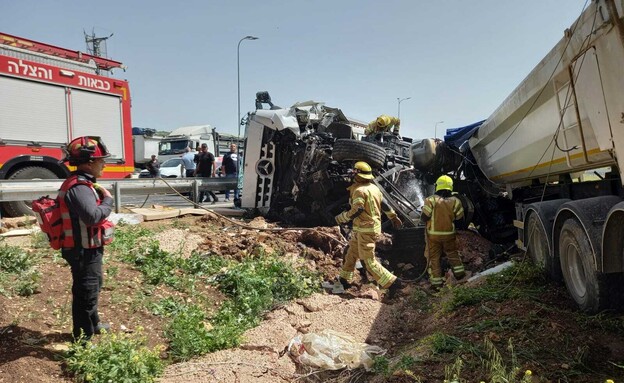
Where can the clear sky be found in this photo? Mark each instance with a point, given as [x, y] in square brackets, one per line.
[456, 59]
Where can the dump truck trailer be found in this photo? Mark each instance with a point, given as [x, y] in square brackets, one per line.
[553, 148]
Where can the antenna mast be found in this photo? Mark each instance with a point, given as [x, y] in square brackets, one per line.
[96, 46]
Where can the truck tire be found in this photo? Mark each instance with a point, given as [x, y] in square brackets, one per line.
[537, 246]
[353, 150]
[581, 278]
[20, 208]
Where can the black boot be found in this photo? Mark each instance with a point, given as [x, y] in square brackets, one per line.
[102, 327]
[344, 283]
[395, 288]
[363, 275]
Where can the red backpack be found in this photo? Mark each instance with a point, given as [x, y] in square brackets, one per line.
[48, 213]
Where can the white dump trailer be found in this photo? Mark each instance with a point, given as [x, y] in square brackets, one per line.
[565, 121]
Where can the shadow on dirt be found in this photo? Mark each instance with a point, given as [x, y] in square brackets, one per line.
[17, 342]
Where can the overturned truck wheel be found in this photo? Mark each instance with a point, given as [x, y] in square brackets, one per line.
[353, 150]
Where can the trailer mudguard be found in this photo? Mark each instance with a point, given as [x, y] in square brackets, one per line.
[613, 240]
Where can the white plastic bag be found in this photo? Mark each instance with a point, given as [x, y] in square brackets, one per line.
[331, 350]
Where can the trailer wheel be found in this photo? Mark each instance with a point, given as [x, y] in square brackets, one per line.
[20, 208]
[353, 150]
[581, 279]
[537, 245]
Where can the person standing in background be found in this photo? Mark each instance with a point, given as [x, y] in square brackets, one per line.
[229, 169]
[188, 159]
[153, 167]
[206, 167]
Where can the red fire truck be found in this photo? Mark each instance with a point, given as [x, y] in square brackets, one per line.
[48, 96]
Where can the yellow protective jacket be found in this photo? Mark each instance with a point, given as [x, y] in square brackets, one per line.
[366, 203]
[383, 123]
[442, 211]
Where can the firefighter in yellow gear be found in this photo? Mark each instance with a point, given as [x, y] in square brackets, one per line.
[366, 206]
[384, 123]
[440, 212]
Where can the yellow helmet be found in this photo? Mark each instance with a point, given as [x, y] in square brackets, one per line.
[444, 183]
[363, 170]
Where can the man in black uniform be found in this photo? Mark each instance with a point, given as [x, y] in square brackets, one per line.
[229, 169]
[205, 168]
[85, 207]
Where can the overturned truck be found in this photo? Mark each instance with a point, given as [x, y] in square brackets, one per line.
[299, 160]
[298, 164]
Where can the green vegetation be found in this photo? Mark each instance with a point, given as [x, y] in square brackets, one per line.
[387, 367]
[251, 286]
[18, 272]
[39, 240]
[522, 280]
[442, 343]
[498, 371]
[115, 358]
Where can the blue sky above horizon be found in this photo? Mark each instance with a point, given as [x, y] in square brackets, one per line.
[457, 60]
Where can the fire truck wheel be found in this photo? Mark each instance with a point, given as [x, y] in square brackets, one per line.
[584, 283]
[20, 208]
[353, 150]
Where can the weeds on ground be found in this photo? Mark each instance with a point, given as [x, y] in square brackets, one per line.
[115, 358]
[18, 273]
[130, 240]
[180, 224]
[496, 369]
[253, 286]
[136, 246]
[522, 280]
[402, 365]
[605, 321]
[420, 300]
[39, 240]
[13, 259]
[443, 343]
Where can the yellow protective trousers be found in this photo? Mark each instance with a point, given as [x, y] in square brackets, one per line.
[436, 245]
[362, 246]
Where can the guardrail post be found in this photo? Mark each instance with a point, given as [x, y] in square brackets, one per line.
[117, 191]
[195, 188]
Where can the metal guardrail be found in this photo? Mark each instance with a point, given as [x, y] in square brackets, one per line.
[33, 189]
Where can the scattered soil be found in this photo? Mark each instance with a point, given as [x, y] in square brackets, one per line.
[548, 334]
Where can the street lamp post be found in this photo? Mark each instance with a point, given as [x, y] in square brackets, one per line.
[238, 119]
[399, 101]
[435, 132]
[238, 122]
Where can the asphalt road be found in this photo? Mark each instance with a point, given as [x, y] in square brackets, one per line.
[172, 200]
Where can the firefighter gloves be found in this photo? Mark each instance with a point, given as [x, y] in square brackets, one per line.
[341, 218]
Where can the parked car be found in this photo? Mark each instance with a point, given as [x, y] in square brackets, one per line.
[171, 168]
